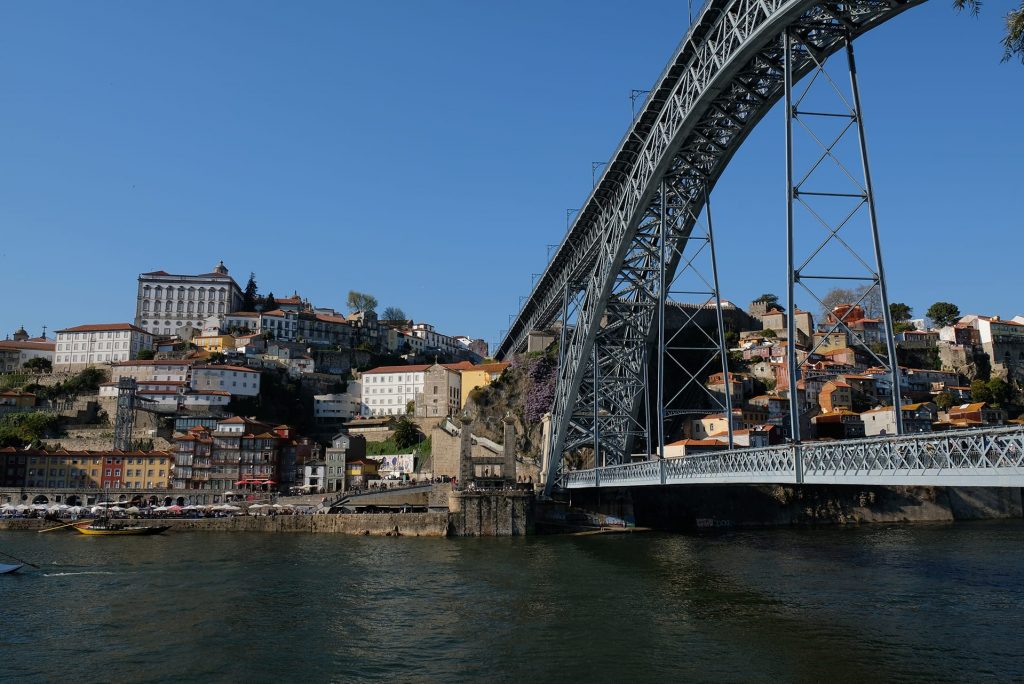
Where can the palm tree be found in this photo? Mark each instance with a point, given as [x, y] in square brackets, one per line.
[1013, 41]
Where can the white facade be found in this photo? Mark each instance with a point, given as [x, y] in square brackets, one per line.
[101, 344]
[17, 352]
[235, 380]
[167, 302]
[387, 391]
[173, 370]
[432, 339]
[338, 407]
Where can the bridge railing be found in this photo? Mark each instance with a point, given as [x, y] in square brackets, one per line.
[986, 457]
[987, 451]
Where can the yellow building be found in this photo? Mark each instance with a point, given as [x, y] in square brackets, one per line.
[359, 472]
[146, 470]
[215, 343]
[95, 469]
[480, 376]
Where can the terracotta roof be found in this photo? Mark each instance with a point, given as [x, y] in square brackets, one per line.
[154, 362]
[239, 369]
[698, 442]
[340, 320]
[103, 327]
[36, 343]
[491, 367]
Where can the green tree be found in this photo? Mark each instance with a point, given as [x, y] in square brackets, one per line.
[39, 365]
[999, 390]
[361, 301]
[269, 304]
[1013, 39]
[943, 313]
[249, 296]
[980, 391]
[406, 433]
[769, 334]
[944, 400]
[771, 301]
[145, 355]
[900, 311]
[393, 313]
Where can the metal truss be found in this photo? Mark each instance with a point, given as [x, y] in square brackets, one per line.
[124, 422]
[698, 342]
[838, 203]
[992, 457]
[725, 76]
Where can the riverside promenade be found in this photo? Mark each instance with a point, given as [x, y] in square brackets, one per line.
[360, 524]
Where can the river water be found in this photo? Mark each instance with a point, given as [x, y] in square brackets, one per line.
[912, 603]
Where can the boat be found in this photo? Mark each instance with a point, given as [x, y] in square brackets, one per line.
[116, 528]
[6, 568]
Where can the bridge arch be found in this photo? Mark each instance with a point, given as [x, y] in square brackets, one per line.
[727, 73]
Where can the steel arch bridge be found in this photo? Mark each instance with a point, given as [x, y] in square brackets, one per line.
[607, 286]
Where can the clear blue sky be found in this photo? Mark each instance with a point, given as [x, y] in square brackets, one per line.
[427, 152]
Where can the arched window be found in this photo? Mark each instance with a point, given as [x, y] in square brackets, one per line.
[220, 308]
[191, 293]
[168, 305]
[190, 306]
[202, 293]
[159, 292]
[181, 305]
[201, 306]
[145, 305]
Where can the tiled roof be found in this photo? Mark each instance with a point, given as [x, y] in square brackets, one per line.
[37, 344]
[154, 362]
[238, 369]
[103, 327]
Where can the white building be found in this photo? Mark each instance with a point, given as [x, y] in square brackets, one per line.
[434, 340]
[340, 407]
[167, 301]
[236, 380]
[99, 344]
[173, 370]
[387, 390]
[15, 352]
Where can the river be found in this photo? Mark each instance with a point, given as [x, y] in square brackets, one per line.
[912, 603]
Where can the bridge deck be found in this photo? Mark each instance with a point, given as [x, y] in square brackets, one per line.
[991, 457]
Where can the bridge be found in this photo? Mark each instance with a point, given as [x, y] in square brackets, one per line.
[644, 241]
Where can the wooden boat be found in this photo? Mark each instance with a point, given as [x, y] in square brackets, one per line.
[117, 528]
[6, 568]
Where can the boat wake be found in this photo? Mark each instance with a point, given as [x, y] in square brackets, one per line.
[84, 572]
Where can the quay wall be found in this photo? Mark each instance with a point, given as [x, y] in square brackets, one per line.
[368, 524]
[681, 508]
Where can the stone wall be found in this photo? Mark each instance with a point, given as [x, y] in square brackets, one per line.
[774, 505]
[491, 514]
[375, 524]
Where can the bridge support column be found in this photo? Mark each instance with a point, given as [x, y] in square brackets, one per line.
[848, 260]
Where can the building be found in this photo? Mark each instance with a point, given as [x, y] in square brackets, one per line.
[841, 424]
[215, 343]
[442, 391]
[480, 376]
[344, 447]
[835, 395]
[21, 348]
[916, 418]
[1003, 341]
[167, 302]
[155, 370]
[63, 469]
[236, 380]
[690, 447]
[99, 344]
[975, 415]
[360, 472]
[337, 408]
[239, 453]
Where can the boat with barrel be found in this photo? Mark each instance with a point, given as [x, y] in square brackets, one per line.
[107, 527]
